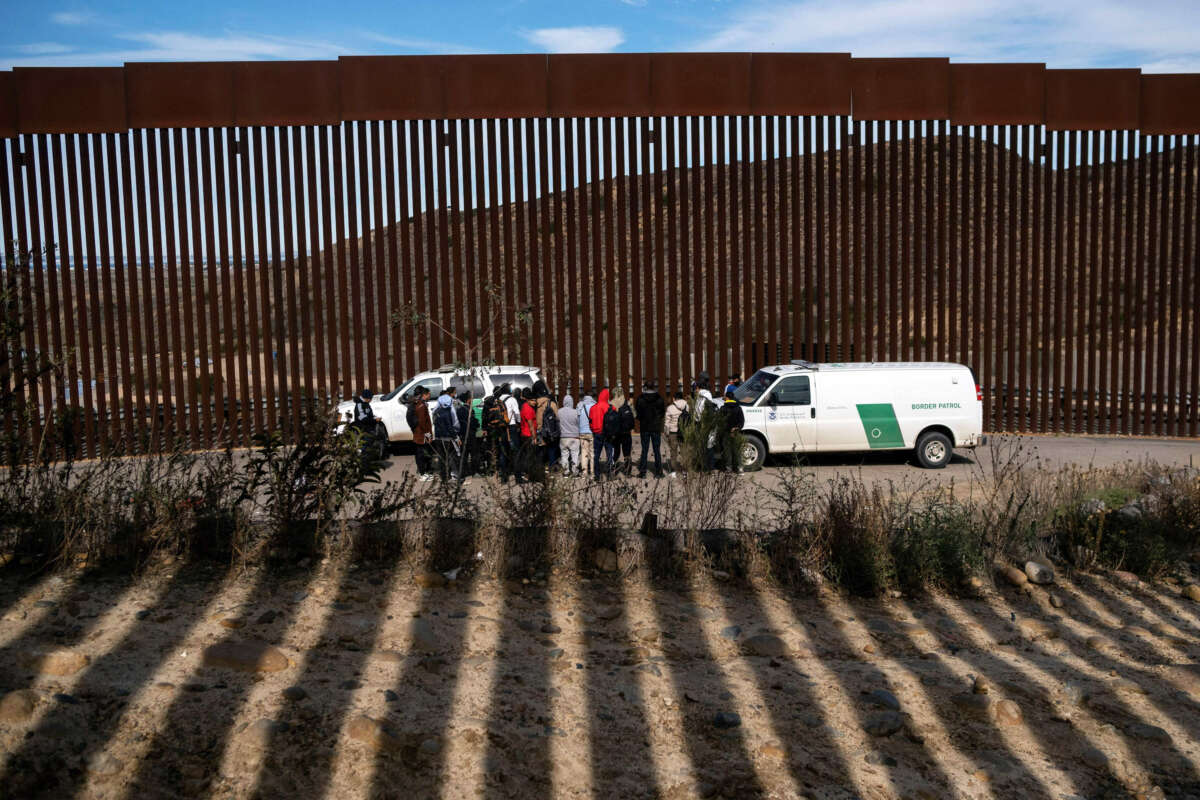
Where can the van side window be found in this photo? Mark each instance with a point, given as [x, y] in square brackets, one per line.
[792, 391]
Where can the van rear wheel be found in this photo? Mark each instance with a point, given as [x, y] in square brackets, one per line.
[754, 453]
[934, 450]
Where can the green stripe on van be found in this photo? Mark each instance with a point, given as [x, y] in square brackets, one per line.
[880, 425]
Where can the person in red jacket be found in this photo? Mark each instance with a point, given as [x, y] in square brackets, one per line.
[601, 443]
[528, 437]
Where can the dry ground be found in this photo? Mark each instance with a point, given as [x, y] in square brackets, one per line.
[589, 686]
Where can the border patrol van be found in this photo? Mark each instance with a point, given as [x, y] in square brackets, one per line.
[930, 408]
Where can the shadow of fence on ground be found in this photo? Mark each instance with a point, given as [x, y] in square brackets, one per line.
[539, 683]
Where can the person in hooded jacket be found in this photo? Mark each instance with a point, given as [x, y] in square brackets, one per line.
[650, 414]
[623, 441]
[601, 445]
[447, 438]
[568, 436]
[585, 433]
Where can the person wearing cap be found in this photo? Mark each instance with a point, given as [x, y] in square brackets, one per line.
[735, 380]
[732, 420]
[650, 410]
[364, 415]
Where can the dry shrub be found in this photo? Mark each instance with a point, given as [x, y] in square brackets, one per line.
[858, 522]
[519, 524]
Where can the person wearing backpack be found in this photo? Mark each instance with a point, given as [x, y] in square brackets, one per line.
[495, 429]
[546, 419]
[672, 427]
[602, 416]
[650, 413]
[468, 424]
[585, 434]
[446, 436]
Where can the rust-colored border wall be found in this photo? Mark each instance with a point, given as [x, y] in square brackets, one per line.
[197, 94]
[1170, 104]
[1000, 215]
[1092, 99]
[1000, 94]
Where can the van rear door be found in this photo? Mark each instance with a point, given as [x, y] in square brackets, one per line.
[790, 424]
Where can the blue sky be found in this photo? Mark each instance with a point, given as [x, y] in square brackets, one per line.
[1156, 35]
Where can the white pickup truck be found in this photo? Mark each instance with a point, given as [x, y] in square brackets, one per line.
[801, 407]
[391, 409]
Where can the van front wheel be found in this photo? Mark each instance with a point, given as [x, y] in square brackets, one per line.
[934, 450]
[754, 453]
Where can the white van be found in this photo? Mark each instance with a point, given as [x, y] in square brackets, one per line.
[800, 407]
[391, 409]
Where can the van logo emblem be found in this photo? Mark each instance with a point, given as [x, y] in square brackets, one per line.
[876, 433]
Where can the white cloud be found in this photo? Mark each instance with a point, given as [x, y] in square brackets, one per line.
[1068, 33]
[43, 48]
[579, 39]
[638, 3]
[72, 17]
[178, 46]
[421, 45]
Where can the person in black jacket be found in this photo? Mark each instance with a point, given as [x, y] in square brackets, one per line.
[469, 428]
[732, 420]
[650, 410]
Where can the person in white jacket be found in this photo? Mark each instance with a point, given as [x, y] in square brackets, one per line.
[674, 440]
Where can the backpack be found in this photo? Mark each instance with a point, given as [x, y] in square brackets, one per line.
[445, 419]
[494, 416]
[626, 419]
[410, 416]
[610, 427]
[550, 430]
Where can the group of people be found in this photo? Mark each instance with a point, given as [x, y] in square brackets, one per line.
[521, 433]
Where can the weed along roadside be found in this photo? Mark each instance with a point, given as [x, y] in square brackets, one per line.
[763, 636]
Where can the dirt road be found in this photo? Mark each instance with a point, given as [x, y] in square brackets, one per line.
[1049, 452]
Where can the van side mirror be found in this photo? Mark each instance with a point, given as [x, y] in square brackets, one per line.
[772, 400]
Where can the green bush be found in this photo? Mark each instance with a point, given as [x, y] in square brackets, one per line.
[939, 547]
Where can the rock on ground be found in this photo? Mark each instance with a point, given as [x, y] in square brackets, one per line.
[245, 657]
[1039, 573]
[18, 706]
[765, 644]
[55, 663]
[1014, 576]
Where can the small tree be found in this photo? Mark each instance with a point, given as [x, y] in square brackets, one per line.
[512, 328]
[20, 367]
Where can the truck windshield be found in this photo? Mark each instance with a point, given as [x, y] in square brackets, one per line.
[748, 393]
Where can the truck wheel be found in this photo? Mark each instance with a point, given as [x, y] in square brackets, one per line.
[754, 453]
[381, 440]
[934, 450]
